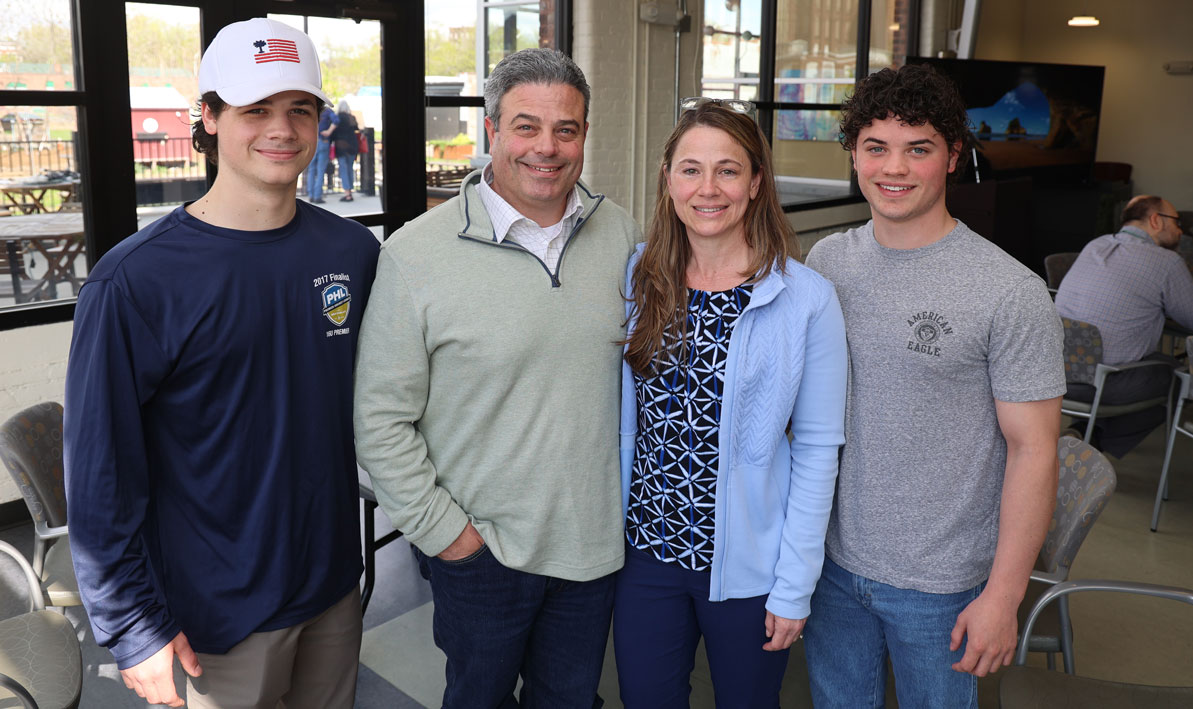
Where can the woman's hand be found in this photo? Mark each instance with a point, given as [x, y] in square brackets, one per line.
[782, 631]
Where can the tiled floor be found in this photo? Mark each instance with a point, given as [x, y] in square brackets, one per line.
[1120, 638]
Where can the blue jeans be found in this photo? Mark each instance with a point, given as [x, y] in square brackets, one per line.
[856, 622]
[495, 623]
[345, 162]
[317, 168]
[660, 612]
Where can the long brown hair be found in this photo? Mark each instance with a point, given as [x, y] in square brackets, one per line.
[659, 279]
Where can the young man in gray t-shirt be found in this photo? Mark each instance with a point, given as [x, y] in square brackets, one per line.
[948, 474]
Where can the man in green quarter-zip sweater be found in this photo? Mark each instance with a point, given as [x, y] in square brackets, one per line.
[487, 399]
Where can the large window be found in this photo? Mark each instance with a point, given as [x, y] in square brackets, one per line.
[164, 47]
[95, 105]
[798, 60]
[43, 254]
[463, 41]
[350, 57]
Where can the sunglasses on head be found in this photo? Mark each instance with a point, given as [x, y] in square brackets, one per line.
[736, 105]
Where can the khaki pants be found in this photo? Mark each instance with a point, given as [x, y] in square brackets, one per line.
[312, 664]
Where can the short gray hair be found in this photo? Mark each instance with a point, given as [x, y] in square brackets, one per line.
[532, 66]
[343, 107]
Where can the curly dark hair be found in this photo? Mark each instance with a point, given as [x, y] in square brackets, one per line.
[205, 142]
[915, 94]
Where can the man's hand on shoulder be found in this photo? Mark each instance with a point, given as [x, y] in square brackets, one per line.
[465, 545]
[989, 626]
[153, 678]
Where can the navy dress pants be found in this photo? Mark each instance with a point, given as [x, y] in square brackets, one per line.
[660, 612]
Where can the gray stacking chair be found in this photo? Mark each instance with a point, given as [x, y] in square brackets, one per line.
[1083, 365]
[31, 449]
[1056, 266]
[1024, 687]
[1085, 484]
[40, 663]
[1174, 427]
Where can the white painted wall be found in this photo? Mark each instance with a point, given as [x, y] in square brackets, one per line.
[1146, 113]
[32, 369]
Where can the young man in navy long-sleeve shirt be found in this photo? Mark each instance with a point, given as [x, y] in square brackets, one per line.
[210, 470]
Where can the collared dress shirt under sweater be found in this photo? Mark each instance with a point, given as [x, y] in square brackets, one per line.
[546, 243]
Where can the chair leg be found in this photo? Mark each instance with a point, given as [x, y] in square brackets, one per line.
[1173, 394]
[1051, 660]
[1066, 636]
[1093, 414]
[1174, 391]
[1162, 488]
[39, 555]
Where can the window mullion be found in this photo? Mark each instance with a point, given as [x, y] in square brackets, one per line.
[766, 65]
[863, 40]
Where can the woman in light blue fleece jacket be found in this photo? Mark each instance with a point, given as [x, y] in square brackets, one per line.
[732, 347]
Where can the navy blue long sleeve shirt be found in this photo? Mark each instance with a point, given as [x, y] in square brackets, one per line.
[210, 469]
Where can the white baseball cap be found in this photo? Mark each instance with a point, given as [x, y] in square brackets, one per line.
[254, 59]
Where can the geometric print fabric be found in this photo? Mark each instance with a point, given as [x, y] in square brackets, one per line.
[673, 485]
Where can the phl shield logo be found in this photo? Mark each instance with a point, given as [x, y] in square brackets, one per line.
[336, 300]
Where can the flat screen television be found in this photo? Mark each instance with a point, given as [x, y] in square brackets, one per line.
[1029, 119]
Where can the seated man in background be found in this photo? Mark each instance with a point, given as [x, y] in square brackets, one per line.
[1126, 284]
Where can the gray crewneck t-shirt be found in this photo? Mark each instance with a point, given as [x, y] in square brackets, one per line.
[936, 334]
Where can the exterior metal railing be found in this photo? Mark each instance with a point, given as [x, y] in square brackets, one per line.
[21, 158]
[167, 169]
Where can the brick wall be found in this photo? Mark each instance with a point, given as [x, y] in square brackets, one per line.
[631, 67]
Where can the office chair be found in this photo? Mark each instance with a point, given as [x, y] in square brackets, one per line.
[1024, 687]
[1056, 266]
[41, 666]
[31, 449]
[1083, 365]
[1086, 481]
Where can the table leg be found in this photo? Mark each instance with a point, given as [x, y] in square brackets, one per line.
[38, 197]
[59, 265]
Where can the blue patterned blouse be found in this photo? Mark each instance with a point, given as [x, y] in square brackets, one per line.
[673, 489]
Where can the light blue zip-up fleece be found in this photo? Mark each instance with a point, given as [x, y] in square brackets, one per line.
[786, 364]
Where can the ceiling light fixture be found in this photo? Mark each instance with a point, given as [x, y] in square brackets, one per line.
[1083, 21]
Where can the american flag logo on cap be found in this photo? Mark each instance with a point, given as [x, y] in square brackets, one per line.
[276, 50]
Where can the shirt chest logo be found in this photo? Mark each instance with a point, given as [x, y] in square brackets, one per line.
[929, 331]
[335, 300]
